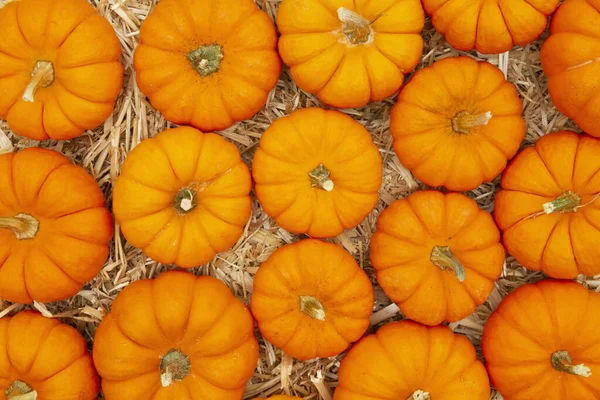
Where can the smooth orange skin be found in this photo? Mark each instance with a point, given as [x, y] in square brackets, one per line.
[152, 175]
[198, 316]
[570, 61]
[295, 145]
[51, 357]
[85, 52]
[490, 27]
[562, 245]
[322, 61]
[249, 70]
[421, 123]
[71, 245]
[531, 324]
[403, 357]
[401, 253]
[322, 270]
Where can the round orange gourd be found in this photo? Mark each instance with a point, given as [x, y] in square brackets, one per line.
[311, 299]
[349, 53]
[549, 208]
[457, 123]
[59, 68]
[41, 358]
[183, 197]
[207, 63]
[406, 360]
[542, 343]
[176, 337]
[54, 227]
[492, 26]
[437, 256]
[317, 172]
[570, 60]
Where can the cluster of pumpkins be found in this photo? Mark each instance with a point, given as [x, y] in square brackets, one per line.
[184, 196]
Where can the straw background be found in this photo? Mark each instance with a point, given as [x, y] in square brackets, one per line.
[103, 151]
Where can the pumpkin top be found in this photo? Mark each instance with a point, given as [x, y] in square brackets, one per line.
[550, 331]
[60, 68]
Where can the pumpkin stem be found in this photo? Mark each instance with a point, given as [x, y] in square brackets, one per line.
[420, 395]
[320, 178]
[24, 226]
[464, 121]
[174, 366]
[562, 362]
[206, 59]
[185, 201]
[42, 76]
[19, 390]
[567, 202]
[5, 144]
[312, 307]
[356, 29]
[442, 257]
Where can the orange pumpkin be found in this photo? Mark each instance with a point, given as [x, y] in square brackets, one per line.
[176, 337]
[490, 27]
[183, 197]
[311, 299]
[207, 63]
[59, 68]
[549, 208]
[317, 172]
[41, 358]
[437, 256]
[406, 360]
[543, 343]
[457, 123]
[54, 227]
[350, 52]
[570, 61]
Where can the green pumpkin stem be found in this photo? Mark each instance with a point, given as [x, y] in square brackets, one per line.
[174, 366]
[420, 395]
[320, 178]
[312, 307]
[464, 121]
[356, 29]
[567, 202]
[442, 257]
[562, 362]
[24, 226]
[42, 76]
[19, 390]
[206, 60]
[185, 201]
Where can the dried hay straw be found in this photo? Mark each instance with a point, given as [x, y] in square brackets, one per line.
[103, 151]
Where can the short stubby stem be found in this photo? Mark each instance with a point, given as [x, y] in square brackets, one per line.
[20, 390]
[567, 202]
[464, 121]
[206, 60]
[312, 307]
[356, 28]
[320, 178]
[42, 76]
[185, 201]
[420, 395]
[443, 258]
[562, 362]
[174, 366]
[24, 226]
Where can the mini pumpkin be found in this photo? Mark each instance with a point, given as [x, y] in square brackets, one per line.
[437, 256]
[542, 341]
[349, 53]
[317, 172]
[54, 227]
[183, 197]
[549, 208]
[41, 358]
[59, 68]
[176, 337]
[207, 63]
[490, 27]
[406, 360]
[457, 123]
[570, 61]
[311, 299]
